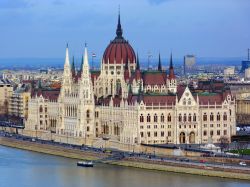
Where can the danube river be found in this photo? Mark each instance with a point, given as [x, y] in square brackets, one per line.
[29, 169]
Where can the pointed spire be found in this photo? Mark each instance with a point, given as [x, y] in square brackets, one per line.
[137, 62]
[171, 61]
[81, 65]
[86, 61]
[73, 68]
[67, 56]
[159, 63]
[171, 68]
[119, 27]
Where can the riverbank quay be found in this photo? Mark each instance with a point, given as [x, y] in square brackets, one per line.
[52, 149]
[204, 171]
[137, 162]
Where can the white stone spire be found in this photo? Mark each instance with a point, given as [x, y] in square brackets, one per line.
[67, 57]
[85, 69]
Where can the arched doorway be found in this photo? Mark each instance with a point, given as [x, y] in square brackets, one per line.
[182, 138]
[192, 138]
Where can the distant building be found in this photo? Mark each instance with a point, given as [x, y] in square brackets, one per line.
[247, 74]
[229, 71]
[6, 90]
[245, 63]
[189, 62]
[18, 104]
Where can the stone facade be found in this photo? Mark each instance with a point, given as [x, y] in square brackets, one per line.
[124, 104]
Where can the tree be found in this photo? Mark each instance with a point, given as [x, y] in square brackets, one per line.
[224, 143]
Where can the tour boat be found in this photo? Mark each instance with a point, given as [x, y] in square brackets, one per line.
[85, 164]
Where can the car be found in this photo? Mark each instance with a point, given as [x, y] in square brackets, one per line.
[242, 164]
[202, 161]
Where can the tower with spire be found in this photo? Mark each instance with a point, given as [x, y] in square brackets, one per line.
[171, 81]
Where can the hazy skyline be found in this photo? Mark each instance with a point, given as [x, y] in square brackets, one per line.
[207, 28]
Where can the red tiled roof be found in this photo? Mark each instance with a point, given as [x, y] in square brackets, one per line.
[47, 94]
[154, 78]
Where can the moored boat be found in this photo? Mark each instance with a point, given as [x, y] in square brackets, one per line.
[85, 164]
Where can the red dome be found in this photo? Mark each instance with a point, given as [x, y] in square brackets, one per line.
[119, 50]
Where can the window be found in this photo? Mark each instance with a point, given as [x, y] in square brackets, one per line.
[169, 133]
[88, 114]
[141, 118]
[162, 117]
[225, 132]
[218, 125]
[204, 117]
[96, 114]
[141, 134]
[185, 118]
[155, 134]
[205, 125]
[162, 133]
[155, 126]
[148, 118]
[148, 134]
[194, 117]
[169, 117]
[41, 109]
[87, 128]
[189, 118]
[218, 116]
[211, 133]
[205, 133]
[225, 125]
[225, 116]
[218, 132]
[155, 118]
[211, 125]
[211, 117]
[180, 118]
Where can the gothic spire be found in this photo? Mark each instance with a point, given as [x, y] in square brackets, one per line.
[137, 62]
[171, 62]
[159, 63]
[119, 27]
[81, 65]
[73, 68]
[67, 56]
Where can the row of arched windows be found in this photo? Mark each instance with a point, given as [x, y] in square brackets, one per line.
[188, 117]
[212, 116]
[155, 118]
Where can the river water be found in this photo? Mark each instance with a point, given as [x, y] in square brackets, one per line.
[29, 169]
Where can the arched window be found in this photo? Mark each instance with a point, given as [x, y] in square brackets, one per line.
[230, 112]
[225, 116]
[141, 118]
[155, 118]
[185, 118]
[212, 117]
[180, 117]
[169, 117]
[184, 102]
[41, 109]
[189, 118]
[194, 117]
[218, 116]
[88, 114]
[204, 117]
[148, 118]
[204, 133]
[162, 118]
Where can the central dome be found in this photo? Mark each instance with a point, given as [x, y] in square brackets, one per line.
[119, 51]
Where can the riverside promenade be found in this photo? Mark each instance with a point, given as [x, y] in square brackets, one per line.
[187, 166]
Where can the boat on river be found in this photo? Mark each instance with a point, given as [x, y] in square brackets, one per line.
[85, 164]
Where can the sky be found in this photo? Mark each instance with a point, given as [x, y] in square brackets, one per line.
[205, 28]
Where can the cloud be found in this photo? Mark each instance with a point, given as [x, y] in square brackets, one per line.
[157, 2]
[11, 4]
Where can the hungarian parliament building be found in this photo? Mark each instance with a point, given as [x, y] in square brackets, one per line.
[128, 105]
